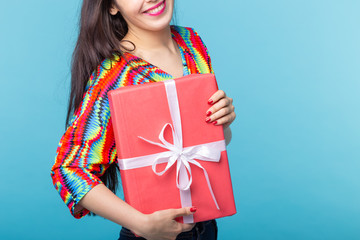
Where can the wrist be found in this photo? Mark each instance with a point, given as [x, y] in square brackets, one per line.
[142, 224]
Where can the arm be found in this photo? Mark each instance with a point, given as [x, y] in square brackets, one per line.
[85, 151]
[103, 202]
[157, 226]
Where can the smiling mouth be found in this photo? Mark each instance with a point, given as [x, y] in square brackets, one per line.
[156, 10]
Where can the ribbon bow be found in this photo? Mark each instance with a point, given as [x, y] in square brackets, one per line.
[182, 158]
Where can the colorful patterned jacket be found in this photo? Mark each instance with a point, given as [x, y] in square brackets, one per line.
[87, 148]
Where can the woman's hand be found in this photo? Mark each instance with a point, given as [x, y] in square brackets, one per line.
[222, 109]
[161, 225]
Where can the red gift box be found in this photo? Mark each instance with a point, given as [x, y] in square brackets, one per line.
[169, 157]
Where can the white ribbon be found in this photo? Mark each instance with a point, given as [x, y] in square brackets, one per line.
[177, 154]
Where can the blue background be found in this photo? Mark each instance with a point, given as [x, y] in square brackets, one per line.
[292, 68]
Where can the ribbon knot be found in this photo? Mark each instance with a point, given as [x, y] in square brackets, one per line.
[182, 158]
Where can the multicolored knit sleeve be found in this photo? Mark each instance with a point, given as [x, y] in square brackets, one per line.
[203, 48]
[87, 148]
[196, 49]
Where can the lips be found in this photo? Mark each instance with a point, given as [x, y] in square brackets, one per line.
[157, 9]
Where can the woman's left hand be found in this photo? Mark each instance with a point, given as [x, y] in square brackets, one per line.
[222, 109]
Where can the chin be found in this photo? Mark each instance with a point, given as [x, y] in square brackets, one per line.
[158, 26]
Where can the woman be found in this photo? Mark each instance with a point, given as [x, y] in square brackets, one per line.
[125, 42]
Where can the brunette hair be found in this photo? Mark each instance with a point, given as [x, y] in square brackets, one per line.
[99, 36]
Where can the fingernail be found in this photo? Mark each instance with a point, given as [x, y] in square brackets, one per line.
[210, 101]
[215, 122]
[207, 119]
[208, 113]
[193, 209]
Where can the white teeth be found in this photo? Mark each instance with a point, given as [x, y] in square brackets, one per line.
[155, 10]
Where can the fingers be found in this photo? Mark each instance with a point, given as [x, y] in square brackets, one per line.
[224, 102]
[222, 111]
[183, 211]
[217, 96]
[187, 226]
[163, 224]
[227, 119]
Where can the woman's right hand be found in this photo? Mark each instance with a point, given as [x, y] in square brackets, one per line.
[161, 225]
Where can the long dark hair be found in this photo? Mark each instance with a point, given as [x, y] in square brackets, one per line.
[99, 36]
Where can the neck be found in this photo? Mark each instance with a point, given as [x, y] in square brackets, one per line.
[150, 41]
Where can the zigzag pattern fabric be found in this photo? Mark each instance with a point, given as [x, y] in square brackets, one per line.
[87, 147]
